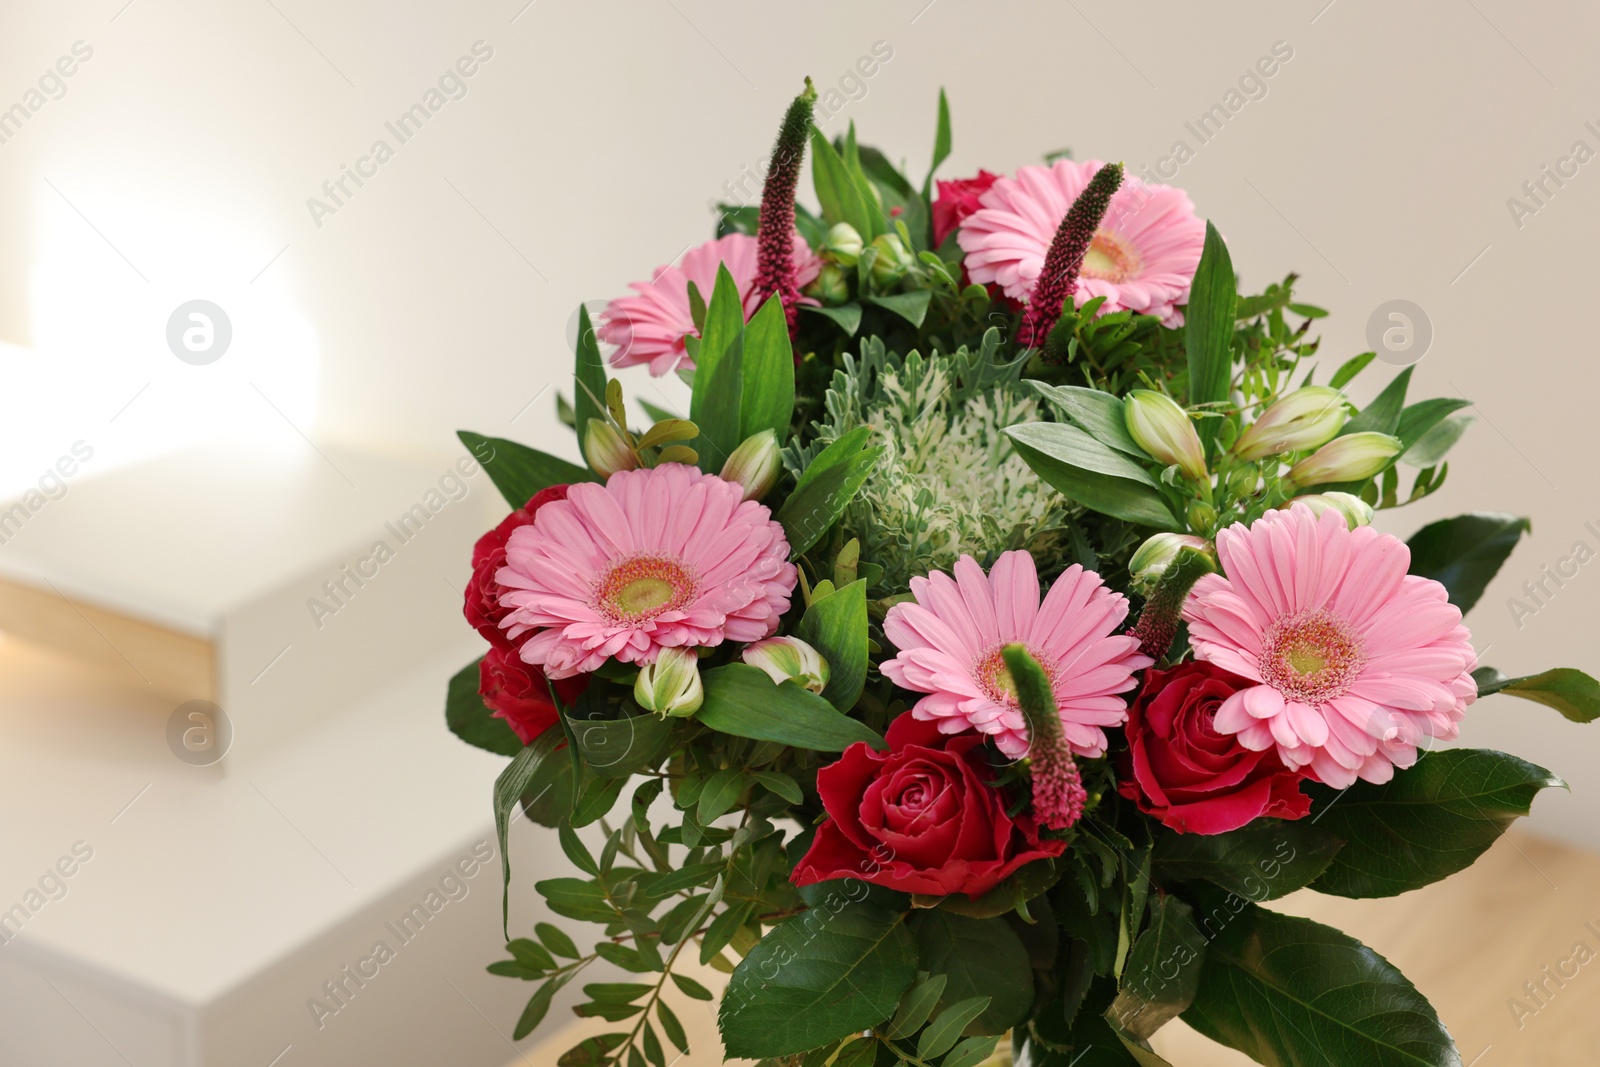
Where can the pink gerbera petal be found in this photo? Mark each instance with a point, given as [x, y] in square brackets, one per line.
[950, 638]
[1360, 662]
[610, 573]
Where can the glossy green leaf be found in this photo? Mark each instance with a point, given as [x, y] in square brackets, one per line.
[815, 978]
[589, 373]
[1208, 328]
[912, 306]
[718, 394]
[836, 626]
[720, 794]
[616, 748]
[916, 1006]
[768, 374]
[471, 720]
[1097, 412]
[826, 488]
[1466, 552]
[1383, 414]
[1421, 417]
[538, 1006]
[520, 472]
[846, 316]
[1163, 970]
[978, 957]
[1573, 693]
[1290, 991]
[1260, 861]
[1428, 822]
[742, 700]
[556, 940]
[941, 145]
[970, 1052]
[946, 1028]
[842, 199]
[576, 850]
[1091, 473]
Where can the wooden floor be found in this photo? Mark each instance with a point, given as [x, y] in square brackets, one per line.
[1469, 943]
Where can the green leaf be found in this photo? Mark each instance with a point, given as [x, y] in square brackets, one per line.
[768, 372]
[508, 788]
[556, 940]
[978, 957]
[520, 472]
[1383, 414]
[670, 1023]
[816, 978]
[576, 898]
[1090, 473]
[912, 306]
[836, 626]
[1285, 991]
[781, 784]
[826, 488]
[846, 316]
[576, 850]
[690, 988]
[1570, 691]
[589, 370]
[1418, 419]
[970, 1052]
[741, 700]
[1350, 368]
[1425, 824]
[1098, 413]
[941, 145]
[942, 1034]
[720, 794]
[1465, 553]
[1260, 861]
[471, 720]
[617, 748]
[1432, 446]
[841, 198]
[1208, 328]
[715, 403]
[917, 1005]
[592, 1051]
[538, 1006]
[1163, 970]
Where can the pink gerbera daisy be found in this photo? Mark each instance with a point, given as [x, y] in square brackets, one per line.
[1143, 256]
[950, 644]
[649, 327]
[652, 559]
[1356, 661]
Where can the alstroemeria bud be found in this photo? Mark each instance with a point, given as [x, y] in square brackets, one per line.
[1356, 512]
[606, 449]
[894, 259]
[1201, 516]
[755, 465]
[829, 286]
[1162, 428]
[1151, 559]
[671, 685]
[789, 659]
[1351, 458]
[842, 245]
[1306, 418]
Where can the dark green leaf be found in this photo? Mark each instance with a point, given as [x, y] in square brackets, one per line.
[1425, 824]
[1097, 412]
[816, 978]
[598, 797]
[917, 1005]
[826, 487]
[520, 472]
[1285, 991]
[978, 957]
[616, 748]
[1163, 970]
[1208, 328]
[670, 1023]
[912, 306]
[720, 794]
[741, 700]
[515, 969]
[556, 940]
[836, 626]
[576, 898]
[846, 316]
[1570, 691]
[718, 394]
[576, 850]
[1421, 417]
[531, 954]
[589, 370]
[768, 373]
[1432, 446]
[618, 992]
[1090, 473]
[690, 988]
[1465, 552]
[842, 199]
[945, 1030]
[781, 784]
[592, 1051]
[508, 788]
[471, 720]
[1260, 861]
[538, 1006]
[1350, 368]
[941, 145]
[1383, 414]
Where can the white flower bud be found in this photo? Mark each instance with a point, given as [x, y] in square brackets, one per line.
[789, 659]
[671, 685]
[756, 465]
[1162, 428]
[1356, 512]
[894, 259]
[1351, 458]
[829, 286]
[1151, 559]
[606, 449]
[842, 245]
[1306, 418]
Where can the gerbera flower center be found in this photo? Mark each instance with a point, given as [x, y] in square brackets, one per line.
[994, 678]
[638, 589]
[1109, 258]
[1311, 656]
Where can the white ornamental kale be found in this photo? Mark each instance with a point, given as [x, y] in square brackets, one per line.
[949, 482]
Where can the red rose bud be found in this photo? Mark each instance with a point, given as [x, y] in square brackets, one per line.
[1195, 780]
[519, 693]
[921, 817]
[482, 607]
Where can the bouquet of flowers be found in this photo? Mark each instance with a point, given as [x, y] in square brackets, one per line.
[998, 631]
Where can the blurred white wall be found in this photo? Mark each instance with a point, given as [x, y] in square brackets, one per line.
[1378, 162]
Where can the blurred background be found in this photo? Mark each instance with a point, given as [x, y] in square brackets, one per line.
[260, 259]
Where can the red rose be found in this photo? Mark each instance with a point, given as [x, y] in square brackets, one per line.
[1189, 776]
[957, 200]
[482, 607]
[519, 693]
[921, 817]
